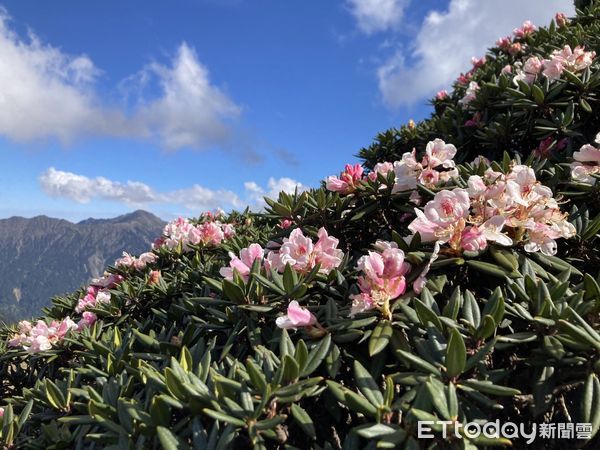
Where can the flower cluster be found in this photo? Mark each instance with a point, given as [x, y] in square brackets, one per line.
[573, 60]
[297, 250]
[470, 94]
[98, 292]
[382, 278]
[138, 263]
[586, 163]
[501, 208]
[296, 317]
[436, 167]
[244, 263]
[429, 171]
[182, 231]
[348, 180]
[524, 30]
[41, 336]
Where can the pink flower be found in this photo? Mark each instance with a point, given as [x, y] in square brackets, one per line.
[479, 160]
[561, 19]
[407, 171]
[284, 224]
[441, 95]
[228, 231]
[574, 60]
[470, 94]
[296, 317]
[361, 303]
[504, 43]
[441, 215]
[145, 259]
[524, 30]
[108, 281]
[348, 180]
[464, 78]
[154, 277]
[477, 62]
[303, 255]
[515, 49]
[472, 239]
[532, 67]
[440, 154]
[553, 69]
[429, 177]
[586, 164]
[382, 168]
[507, 69]
[244, 263]
[382, 277]
[421, 280]
[87, 320]
[126, 260]
[546, 145]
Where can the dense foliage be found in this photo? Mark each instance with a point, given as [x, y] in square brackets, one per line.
[429, 286]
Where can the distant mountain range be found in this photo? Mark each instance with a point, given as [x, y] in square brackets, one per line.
[42, 257]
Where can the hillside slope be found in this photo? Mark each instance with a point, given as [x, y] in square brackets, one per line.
[44, 257]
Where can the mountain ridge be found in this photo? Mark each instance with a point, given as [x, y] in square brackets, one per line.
[46, 256]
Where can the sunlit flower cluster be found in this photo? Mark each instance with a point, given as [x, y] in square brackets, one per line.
[42, 337]
[297, 250]
[382, 278]
[470, 93]
[182, 232]
[574, 60]
[138, 263]
[296, 317]
[586, 163]
[436, 167]
[502, 208]
[348, 180]
[98, 292]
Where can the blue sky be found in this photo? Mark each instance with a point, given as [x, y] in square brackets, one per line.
[183, 106]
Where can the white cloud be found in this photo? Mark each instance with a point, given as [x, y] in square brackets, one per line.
[447, 40]
[377, 15]
[49, 94]
[256, 193]
[82, 189]
[191, 112]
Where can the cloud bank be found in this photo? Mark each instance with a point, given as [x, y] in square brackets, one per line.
[447, 40]
[377, 15]
[48, 94]
[82, 189]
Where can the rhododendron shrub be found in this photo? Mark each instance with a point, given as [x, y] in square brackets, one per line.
[453, 276]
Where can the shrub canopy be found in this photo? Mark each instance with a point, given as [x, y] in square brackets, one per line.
[455, 282]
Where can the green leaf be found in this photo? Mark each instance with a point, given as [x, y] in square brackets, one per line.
[366, 384]
[167, 439]
[222, 417]
[417, 363]
[426, 314]
[316, 356]
[487, 387]
[456, 354]
[380, 337]
[359, 404]
[290, 368]
[490, 269]
[302, 418]
[590, 406]
[54, 395]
